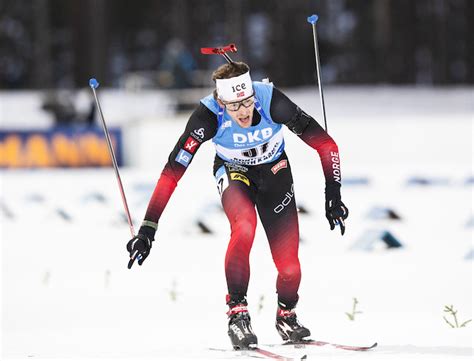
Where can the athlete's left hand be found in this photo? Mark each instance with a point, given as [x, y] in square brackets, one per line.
[336, 213]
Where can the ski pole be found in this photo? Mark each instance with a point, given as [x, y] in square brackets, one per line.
[312, 20]
[94, 84]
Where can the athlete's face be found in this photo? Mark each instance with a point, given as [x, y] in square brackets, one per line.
[241, 112]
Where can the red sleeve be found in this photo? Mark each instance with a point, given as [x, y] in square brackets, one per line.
[202, 126]
[316, 137]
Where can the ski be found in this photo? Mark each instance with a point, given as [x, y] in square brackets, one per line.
[268, 354]
[303, 343]
[260, 353]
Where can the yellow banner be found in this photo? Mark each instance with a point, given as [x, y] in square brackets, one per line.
[55, 149]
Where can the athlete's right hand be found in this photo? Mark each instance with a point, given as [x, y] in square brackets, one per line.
[139, 247]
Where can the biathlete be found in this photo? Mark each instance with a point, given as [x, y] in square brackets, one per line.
[245, 121]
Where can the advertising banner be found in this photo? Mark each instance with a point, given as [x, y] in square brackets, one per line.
[58, 147]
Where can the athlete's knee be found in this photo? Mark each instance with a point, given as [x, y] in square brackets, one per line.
[289, 271]
[244, 228]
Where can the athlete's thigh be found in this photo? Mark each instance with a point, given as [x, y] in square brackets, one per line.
[277, 210]
[276, 197]
[236, 188]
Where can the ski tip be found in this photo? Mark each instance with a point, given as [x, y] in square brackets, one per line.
[313, 19]
[93, 83]
[360, 348]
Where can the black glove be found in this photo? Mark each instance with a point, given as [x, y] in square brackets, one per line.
[336, 211]
[139, 246]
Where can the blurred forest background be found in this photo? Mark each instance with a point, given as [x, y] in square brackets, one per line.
[155, 43]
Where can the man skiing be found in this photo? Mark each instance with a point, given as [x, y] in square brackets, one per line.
[244, 120]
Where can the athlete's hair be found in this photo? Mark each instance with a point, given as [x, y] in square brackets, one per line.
[229, 70]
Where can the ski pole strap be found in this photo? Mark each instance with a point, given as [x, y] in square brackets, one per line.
[150, 224]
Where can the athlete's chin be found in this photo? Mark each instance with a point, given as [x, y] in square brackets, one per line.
[245, 122]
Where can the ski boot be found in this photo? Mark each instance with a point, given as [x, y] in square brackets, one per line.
[288, 326]
[240, 330]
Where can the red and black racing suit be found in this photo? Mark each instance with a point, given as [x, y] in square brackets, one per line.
[265, 189]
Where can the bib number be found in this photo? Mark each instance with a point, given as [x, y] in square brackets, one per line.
[253, 152]
[222, 181]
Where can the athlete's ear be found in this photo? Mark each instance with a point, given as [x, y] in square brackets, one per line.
[220, 103]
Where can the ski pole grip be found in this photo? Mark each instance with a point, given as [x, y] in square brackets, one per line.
[93, 83]
[313, 19]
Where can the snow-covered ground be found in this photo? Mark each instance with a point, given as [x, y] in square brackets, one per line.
[67, 293]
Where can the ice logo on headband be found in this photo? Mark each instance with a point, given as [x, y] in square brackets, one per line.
[240, 88]
[234, 89]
